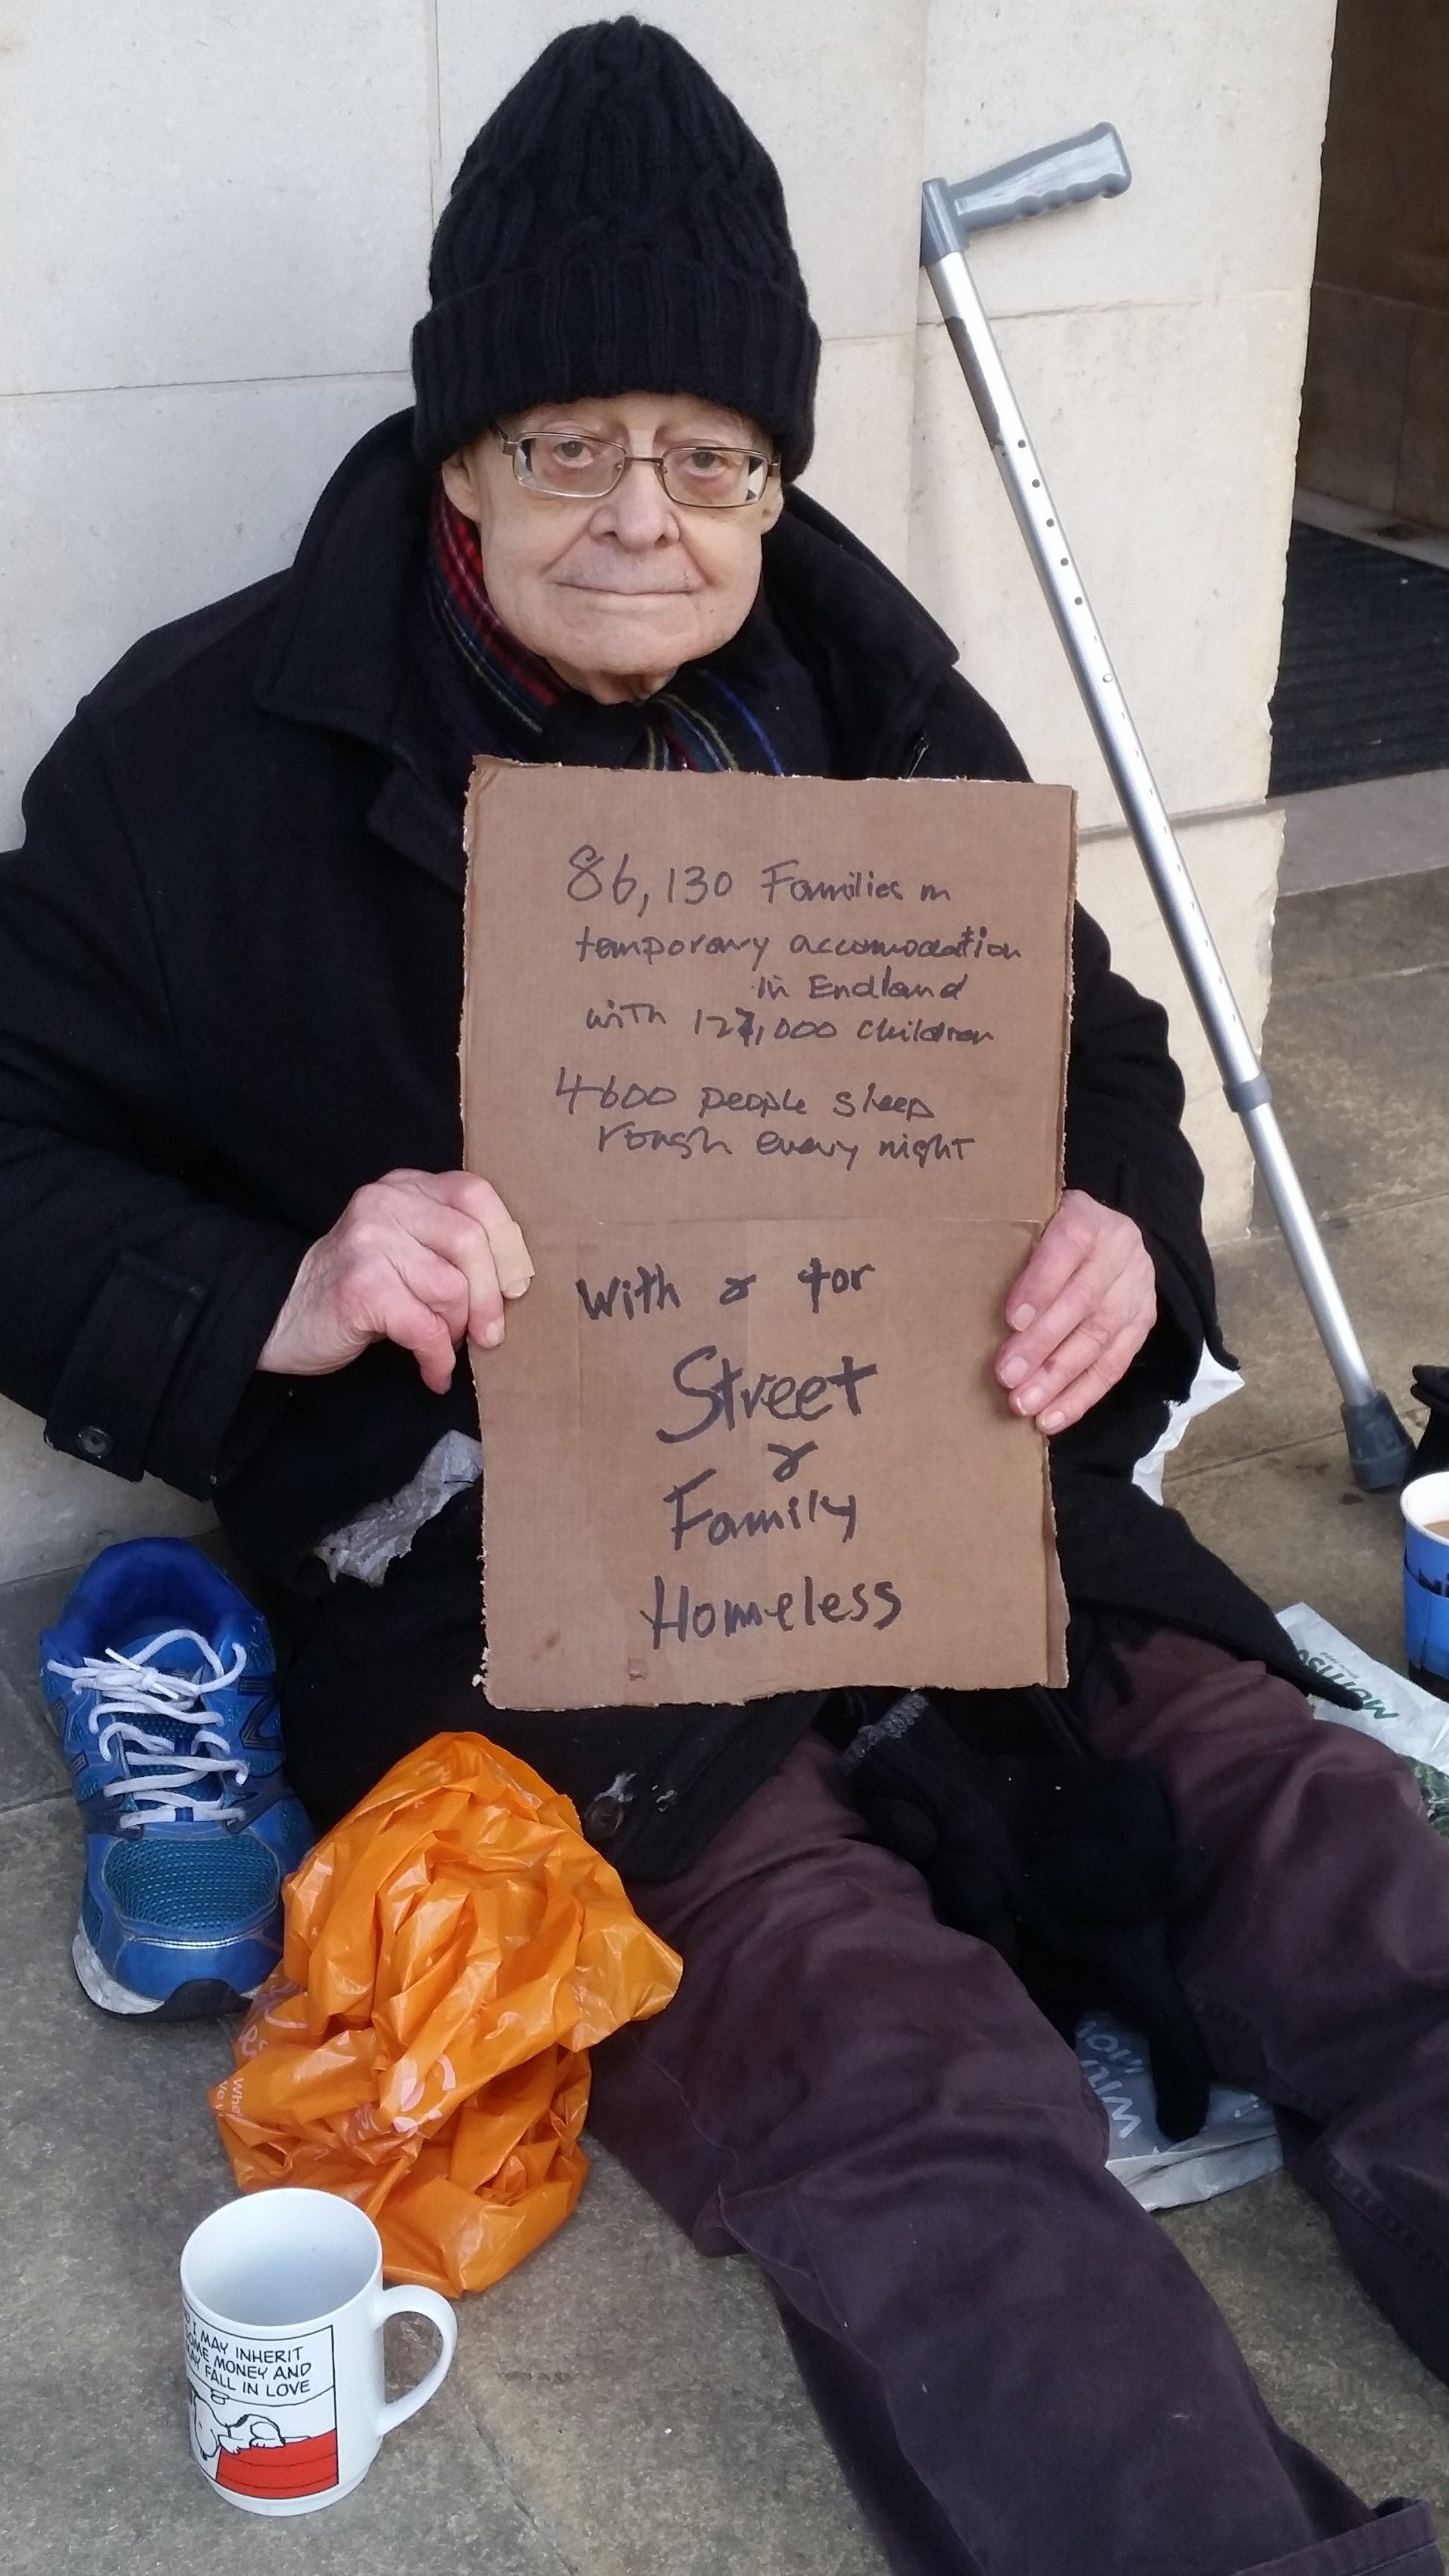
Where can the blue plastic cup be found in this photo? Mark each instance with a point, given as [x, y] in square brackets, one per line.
[1425, 1506]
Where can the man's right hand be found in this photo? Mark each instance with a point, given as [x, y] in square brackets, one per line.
[419, 1258]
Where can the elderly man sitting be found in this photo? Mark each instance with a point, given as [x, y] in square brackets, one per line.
[238, 1252]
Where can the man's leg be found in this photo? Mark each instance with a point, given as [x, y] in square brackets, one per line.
[1022, 2375]
[1317, 1959]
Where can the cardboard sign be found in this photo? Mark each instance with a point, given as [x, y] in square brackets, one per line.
[770, 1071]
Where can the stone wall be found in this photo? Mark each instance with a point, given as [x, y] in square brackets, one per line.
[1376, 393]
[216, 222]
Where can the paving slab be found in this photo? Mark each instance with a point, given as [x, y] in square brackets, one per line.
[110, 2158]
[647, 2398]
[1295, 1526]
[1332, 2369]
[1381, 827]
[30, 1759]
[1341, 1098]
[1393, 1268]
[617, 2406]
[31, 1765]
[1357, 1042]
[25, 1608]
[1391, 927]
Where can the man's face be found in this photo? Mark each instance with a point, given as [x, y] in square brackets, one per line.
[616, 593]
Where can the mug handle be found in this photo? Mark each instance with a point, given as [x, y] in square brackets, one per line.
[407, 2300]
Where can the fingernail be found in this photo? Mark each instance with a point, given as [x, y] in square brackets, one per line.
[1013, 1371]
[493, 1335]
[1052, 1421]
[1029, 1398]
[1020, 1317]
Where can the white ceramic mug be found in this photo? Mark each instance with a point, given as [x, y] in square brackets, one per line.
[284, 2308]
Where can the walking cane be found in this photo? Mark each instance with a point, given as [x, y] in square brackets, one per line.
[1095, 165]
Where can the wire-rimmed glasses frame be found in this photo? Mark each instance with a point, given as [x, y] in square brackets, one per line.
[614, 459]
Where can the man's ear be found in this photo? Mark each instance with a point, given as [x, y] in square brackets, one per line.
[772, 503]
[458, 483]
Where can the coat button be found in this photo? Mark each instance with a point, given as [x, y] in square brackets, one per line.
[93, 1442]
[603, 1819]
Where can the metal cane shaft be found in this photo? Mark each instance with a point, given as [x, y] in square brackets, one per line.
[1244, 1082]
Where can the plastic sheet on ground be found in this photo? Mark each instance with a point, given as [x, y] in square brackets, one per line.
[453, 1948]
[1237, 2142]
[1211, 1384]
[370, 1544]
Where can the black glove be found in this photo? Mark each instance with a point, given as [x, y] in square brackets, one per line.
[1431, 1386]
[1066, 1863]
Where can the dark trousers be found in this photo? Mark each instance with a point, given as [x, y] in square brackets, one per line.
[1020, 2374]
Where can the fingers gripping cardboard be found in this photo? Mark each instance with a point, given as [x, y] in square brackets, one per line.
[771, 1073]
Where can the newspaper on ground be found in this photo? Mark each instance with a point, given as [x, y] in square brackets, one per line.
[1395, 1711]
[1237, 2142]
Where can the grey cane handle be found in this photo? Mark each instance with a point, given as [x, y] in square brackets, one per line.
[1064, 174]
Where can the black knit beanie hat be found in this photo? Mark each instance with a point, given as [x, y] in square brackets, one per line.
[615, 228]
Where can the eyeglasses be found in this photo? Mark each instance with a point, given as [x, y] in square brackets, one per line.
[571, 466]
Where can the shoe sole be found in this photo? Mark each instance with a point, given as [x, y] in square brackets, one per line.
[198, 1999]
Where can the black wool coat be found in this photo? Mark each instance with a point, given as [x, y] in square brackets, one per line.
[230, 984]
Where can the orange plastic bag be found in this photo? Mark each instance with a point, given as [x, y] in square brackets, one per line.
[452, 1948]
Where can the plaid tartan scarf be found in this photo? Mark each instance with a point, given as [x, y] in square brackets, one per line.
[750, 706]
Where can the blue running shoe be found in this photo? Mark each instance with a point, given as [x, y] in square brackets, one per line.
[163, 1686]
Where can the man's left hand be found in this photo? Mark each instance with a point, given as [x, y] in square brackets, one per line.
[1079, 1313]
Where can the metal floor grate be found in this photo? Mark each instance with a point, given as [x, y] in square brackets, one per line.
[1363, 683]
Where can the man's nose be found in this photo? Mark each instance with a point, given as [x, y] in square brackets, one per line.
[638, 511]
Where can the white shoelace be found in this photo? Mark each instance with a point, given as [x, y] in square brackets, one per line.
[159, 1776]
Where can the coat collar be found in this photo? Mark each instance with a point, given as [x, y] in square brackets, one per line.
[336, 651]
[337, 654]
[875, 655]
